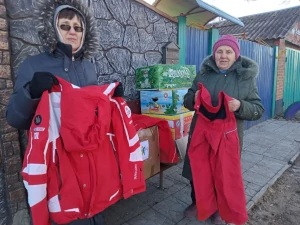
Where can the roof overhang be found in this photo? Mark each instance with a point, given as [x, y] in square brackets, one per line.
[196, 11]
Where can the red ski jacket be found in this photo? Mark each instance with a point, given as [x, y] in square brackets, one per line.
[215, 161]
[83, 154]
[168, 152]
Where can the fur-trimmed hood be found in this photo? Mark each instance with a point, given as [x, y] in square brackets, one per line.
[45, 11]
[245, 67]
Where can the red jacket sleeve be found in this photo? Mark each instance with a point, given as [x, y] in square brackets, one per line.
[35, 164]
[128, 150]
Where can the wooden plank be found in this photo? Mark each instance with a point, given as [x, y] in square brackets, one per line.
[164, 167]
[172, 54]
[158, 11]
[156, 2]
[192, 10]
[172, 61]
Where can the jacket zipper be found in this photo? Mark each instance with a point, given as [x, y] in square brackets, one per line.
[59, 175]
[115, 152]
[230, 131]
[75, 72]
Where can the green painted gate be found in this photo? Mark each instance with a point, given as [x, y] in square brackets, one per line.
[291, 91]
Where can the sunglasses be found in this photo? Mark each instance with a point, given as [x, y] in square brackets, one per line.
[68, 28]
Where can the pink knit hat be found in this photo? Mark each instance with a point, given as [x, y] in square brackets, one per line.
[230, 41]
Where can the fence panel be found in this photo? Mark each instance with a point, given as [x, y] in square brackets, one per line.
[265, 58]
[291, 91]
[196, 46]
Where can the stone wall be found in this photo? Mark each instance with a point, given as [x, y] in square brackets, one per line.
[13, 207]
[131, 36]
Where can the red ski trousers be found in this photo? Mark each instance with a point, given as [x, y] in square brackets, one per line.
[215, 161]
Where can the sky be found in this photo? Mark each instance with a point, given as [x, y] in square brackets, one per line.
[239, 8]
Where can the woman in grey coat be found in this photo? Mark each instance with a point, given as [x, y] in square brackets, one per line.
[236, 75]
[69, 35]
[68, 32]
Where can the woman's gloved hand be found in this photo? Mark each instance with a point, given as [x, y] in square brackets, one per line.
[119, 91]
[41, 82]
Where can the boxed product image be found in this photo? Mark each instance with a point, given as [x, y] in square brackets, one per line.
[179, 124]
[165, 77]
[168, 102]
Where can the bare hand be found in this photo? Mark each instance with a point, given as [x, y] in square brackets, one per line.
[234, 105]
[196, 95]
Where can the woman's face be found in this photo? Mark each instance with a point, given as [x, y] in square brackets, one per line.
[224, 57]
[71, 32]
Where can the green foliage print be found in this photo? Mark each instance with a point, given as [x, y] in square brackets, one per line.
[162, 77]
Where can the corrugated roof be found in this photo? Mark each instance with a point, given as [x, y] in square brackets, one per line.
[270, 25]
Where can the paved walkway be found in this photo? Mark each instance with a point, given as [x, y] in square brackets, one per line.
[269, 148]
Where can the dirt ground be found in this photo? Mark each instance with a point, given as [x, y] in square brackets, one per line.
[281, 203]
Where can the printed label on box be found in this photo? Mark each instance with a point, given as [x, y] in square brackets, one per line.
[179, 124]
[165, 76]
[168, 102]
[145, 149]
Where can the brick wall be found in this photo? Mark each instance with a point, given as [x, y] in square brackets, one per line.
[10, 159]
[281, 69]
[129, 23]
[282, 45]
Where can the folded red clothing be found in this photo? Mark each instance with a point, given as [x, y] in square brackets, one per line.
[168, 153]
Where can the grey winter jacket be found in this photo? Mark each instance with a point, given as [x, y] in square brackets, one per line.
[58, 60]
[21, 106]
[239, 82]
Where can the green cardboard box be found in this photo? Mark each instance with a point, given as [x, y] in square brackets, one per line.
[165, 77]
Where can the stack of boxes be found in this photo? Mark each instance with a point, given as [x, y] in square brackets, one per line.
[162, 88]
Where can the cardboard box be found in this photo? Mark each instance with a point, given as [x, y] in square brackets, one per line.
[165, 77]
[149, 140]
[168, 102]
[179, 124]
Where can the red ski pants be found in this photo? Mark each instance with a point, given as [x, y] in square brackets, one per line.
[215, 161]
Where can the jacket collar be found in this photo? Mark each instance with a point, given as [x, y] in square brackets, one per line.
[244, 67]
[66, 50]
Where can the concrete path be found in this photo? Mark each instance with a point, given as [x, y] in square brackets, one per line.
[269, 148]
